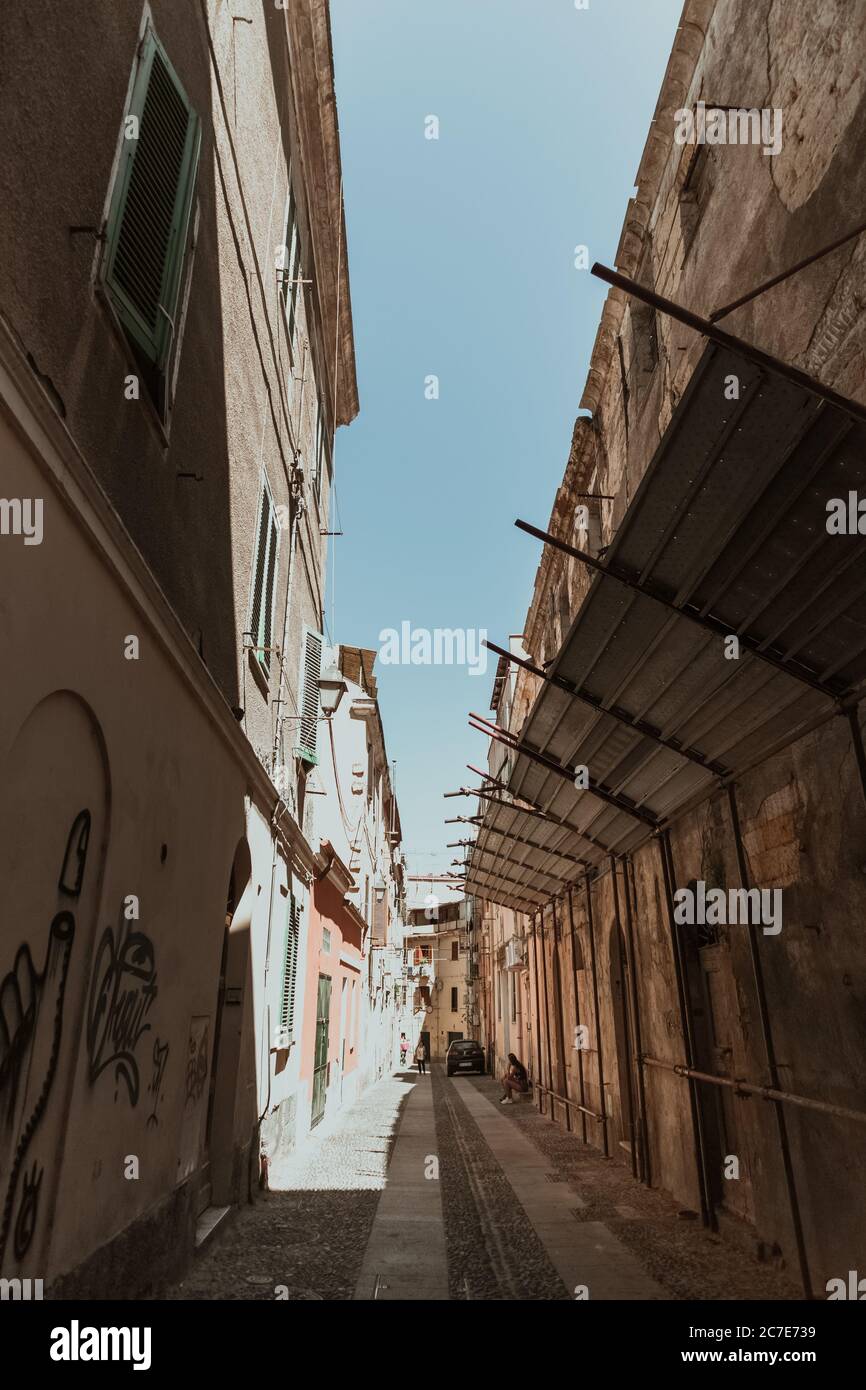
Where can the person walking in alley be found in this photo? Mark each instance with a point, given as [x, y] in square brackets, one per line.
[516, 1079]
[404, 1048]
[421, 1057]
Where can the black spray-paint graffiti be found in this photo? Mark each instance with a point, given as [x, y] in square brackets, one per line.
[196, 1066]
[31, 1025]
[122, 991]
[160, 1061]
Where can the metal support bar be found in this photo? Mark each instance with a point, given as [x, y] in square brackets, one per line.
[546, 1006]
[709, 624]
[728, 340]
[597, 1012]
[631, 895]
[532, 844]
[517, 864]
[748, 1088]
[559, 1006]
[625, 1017]
[576, 996]
[640, 726]
[786, 274]
[602, 1119]
[485, 777]
[770, 1050]
[536, 811]
[707, 1213]
[597, 789]
[537, 1006]
[518, 883]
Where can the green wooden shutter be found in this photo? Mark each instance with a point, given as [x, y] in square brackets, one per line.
[264, 570]
[290, 968]
[290, 281]
[309, 721]
[148, 220]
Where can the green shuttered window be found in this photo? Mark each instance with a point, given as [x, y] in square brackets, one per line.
[265, 567]
[309, 721]
[290, 968]
[148, 221]
[290, 279]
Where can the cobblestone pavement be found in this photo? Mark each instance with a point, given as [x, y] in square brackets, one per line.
[308, 1239]
[493, 1251]
[310, 1235]
[674, 1248]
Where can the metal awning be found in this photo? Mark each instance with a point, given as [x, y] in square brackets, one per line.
[726, 535]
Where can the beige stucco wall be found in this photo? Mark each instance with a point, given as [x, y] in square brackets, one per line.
[170, 792]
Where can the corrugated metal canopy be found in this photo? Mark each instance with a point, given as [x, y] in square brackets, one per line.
[729, 525]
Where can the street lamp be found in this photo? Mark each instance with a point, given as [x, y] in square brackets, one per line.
[332, 688]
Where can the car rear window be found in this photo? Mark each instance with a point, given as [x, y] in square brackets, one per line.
[465, 1047]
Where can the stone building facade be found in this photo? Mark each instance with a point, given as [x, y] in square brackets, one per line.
[437, 954]
[723, 1060]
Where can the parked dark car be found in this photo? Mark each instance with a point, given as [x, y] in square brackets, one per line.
[464, 1056]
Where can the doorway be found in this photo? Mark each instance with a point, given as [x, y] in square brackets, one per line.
[218, 1159]
[320, 1062]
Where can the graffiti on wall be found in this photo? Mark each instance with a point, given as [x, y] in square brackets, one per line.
[31, 1026]
[160, 1061]
[196, 1060]
[122, 991]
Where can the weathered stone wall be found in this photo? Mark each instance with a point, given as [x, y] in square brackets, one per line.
[707, 224]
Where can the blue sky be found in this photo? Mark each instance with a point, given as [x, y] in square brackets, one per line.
[461, 261]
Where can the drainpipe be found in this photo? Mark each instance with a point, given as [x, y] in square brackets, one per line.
[624, 965]
[769, 1048]
[580, 1081]
[630, 905]
[560, 1021]
[547, 1019]
[707, 1213]
[601, 1103]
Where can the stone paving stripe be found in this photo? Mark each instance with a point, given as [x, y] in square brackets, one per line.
[406, 1248]
[583, 1252]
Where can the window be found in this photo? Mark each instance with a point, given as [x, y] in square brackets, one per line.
[147, 232]
[455, 950]
[264, 576]
[453, 999]
[291, 272]
[290, 968]
[326, 942]
[323, 451]
[309, 700]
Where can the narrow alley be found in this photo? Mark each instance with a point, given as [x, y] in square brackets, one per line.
[428, 1189]
[433, 641]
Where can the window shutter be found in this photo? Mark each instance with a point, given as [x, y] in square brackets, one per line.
[290, 968]
[149, 215]
[290, 287]
[309, 721]
[261, 618]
